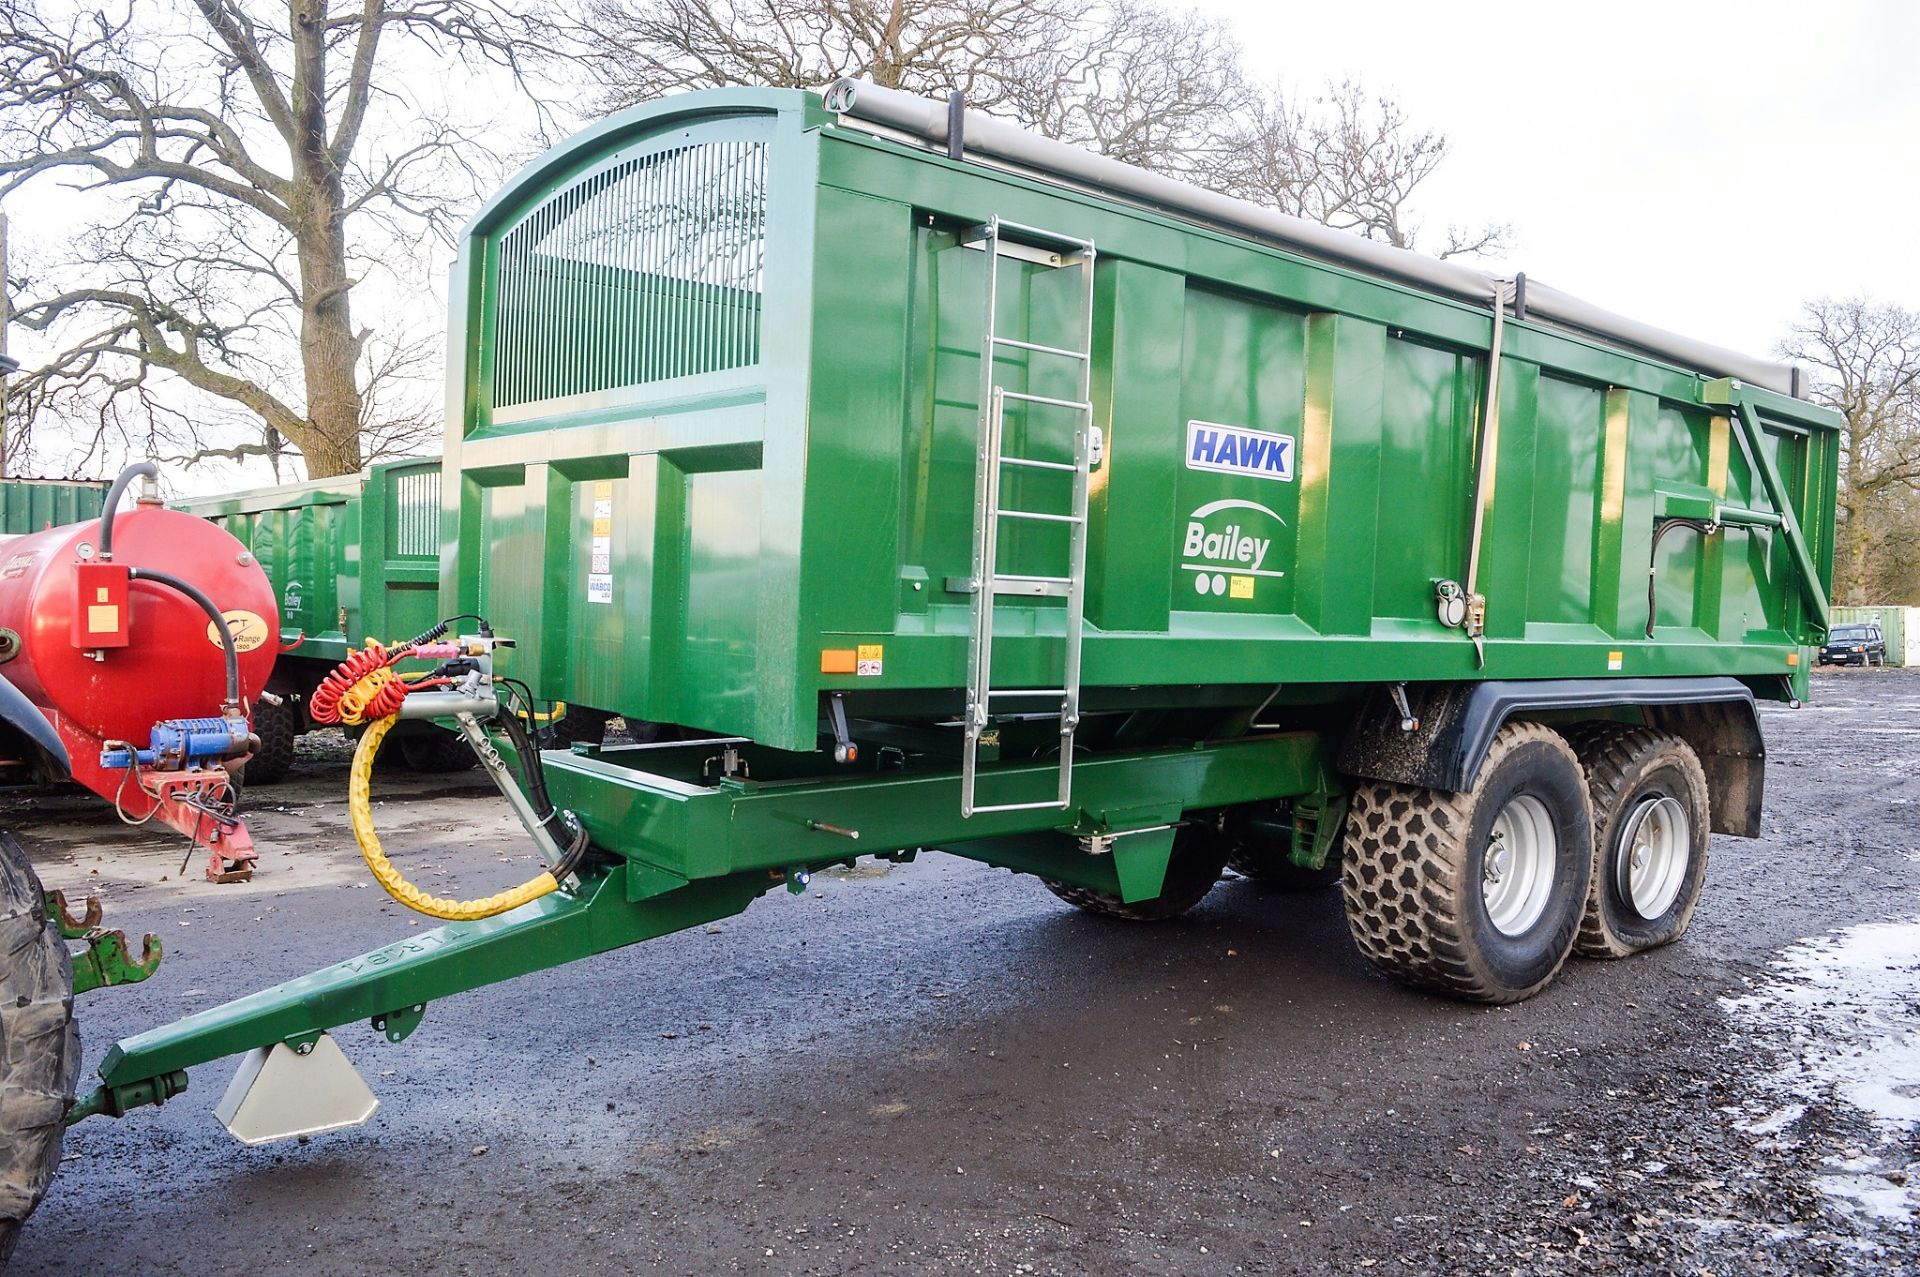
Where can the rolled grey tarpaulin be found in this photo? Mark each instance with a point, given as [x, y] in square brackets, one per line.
[926, 119]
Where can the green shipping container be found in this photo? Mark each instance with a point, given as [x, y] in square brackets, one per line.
[30, 505]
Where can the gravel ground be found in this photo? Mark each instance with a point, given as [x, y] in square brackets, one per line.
[939, 1068]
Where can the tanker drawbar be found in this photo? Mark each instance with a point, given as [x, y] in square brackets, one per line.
[133, 647]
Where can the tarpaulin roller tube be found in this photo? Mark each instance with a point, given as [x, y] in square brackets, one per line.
[927, 119]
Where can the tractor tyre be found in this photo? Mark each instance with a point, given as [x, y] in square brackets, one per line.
[277, 729]
[581, 724]
[1476, 895]
[39, 1043]
[432, 751]
[1193, 867]
[1651, 817]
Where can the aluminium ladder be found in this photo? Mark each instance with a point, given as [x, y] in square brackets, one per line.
[999, 239]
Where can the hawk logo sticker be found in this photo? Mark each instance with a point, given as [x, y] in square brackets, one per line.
[1230, 538]
[1238, 450]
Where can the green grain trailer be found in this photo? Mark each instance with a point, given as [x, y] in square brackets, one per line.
[970, 492]
[350, 558]
[31, 505]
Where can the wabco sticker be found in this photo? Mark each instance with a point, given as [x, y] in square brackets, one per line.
[249, 630]
[600, 551]
[1225, 546]
[1238, 450]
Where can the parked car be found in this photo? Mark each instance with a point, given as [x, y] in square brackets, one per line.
[1861, 644]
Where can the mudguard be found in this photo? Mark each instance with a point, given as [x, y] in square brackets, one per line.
[23, 714]
[1457, 723]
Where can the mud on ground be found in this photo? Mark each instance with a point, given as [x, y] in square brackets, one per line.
[939, 1068]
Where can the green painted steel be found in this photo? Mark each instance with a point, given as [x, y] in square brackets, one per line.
[596, 916]
[31, 505]
[671, 809]
[751, 515]
[696, 850]
[350, 559]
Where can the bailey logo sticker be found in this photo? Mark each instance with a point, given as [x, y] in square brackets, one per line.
[1226, 545]
[1238, 450]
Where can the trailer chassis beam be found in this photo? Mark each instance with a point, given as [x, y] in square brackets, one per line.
[694, 853]
[392, 980]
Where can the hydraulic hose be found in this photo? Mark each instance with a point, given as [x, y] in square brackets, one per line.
[118, 490]
[360, 810]
[191, 591]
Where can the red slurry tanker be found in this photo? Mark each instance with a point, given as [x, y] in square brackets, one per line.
[132, 647]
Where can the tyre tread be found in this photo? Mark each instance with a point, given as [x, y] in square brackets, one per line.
[39, 1043]
[274, 725]
[1614, 756]
[1406, 849]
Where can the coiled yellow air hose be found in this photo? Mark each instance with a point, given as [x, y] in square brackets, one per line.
[360, 808]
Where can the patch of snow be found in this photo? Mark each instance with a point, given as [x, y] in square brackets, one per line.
[1845, 1011]
[1776, 1121]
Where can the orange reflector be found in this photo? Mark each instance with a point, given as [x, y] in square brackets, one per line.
[1793, 658]
[838, 660]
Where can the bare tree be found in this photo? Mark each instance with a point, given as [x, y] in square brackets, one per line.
[272, 161]
[1153, 87]
[1867, 362]
[647, 48]
[1161, 88]
[1347, 159]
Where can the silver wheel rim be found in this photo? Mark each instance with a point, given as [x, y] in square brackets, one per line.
[1517, 870]
[1651, 862]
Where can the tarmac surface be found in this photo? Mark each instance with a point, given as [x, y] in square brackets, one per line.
[940, 1068]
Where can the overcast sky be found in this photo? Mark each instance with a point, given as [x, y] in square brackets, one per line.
[1704, 166]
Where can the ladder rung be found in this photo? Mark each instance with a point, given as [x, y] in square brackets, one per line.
[1045, 350]
[1034, 590]
[1048, 237]
[1034, 464]
[1035, 514]
[1026, 691]
[1079, 404]
[1056, 804]
[1025, 577]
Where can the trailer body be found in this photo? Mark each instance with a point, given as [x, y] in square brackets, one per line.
[715, 405]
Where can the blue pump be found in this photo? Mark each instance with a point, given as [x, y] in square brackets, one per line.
[180, 743]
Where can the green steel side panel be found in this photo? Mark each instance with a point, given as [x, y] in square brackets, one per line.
[32, 505]
[1424, 472]
[683, 542]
